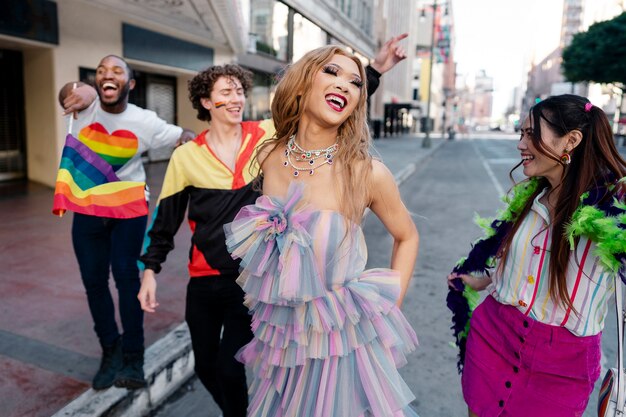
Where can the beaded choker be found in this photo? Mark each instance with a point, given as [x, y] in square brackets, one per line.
[295, 153]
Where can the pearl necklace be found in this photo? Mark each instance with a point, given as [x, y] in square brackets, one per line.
[302, 155]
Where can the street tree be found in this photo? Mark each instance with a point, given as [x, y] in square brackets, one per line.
[598, 55]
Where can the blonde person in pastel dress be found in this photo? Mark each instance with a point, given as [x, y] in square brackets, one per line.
[328, 334]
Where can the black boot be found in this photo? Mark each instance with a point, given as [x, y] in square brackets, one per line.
[131, 375]
[110, 365]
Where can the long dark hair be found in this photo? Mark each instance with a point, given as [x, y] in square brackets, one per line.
[593, 162]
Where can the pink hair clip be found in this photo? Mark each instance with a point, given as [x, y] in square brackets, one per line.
[588, 107]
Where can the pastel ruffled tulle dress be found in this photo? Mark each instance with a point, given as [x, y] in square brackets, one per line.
[328, 337]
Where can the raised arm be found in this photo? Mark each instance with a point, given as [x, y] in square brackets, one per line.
[390, 209]
[386, 58]
[389, 54]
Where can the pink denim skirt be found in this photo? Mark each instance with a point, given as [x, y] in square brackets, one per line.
[516, 366]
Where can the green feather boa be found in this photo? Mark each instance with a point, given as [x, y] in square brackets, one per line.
[515, 201]
[604, 224]
[588, 221]
[608, 232]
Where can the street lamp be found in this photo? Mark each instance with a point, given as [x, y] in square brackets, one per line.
[426, 143]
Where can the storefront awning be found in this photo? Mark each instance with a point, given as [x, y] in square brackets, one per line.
[214, 23]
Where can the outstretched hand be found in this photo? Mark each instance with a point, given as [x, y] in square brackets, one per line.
[390, 54]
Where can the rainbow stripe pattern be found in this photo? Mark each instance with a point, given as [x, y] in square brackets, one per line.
[607, 398]
[87, 184]
[116, 148]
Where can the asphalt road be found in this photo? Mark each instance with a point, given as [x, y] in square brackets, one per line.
[461, 178]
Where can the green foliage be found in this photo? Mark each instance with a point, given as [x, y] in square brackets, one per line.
[598, 55]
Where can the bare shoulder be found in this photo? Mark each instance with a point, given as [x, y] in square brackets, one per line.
[268, 152]
[263, 152]
[269, 156]
[383, 186]
[381, 175]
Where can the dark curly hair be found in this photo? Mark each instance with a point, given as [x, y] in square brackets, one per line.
[202, 84]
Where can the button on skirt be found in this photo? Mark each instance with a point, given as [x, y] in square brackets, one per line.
[517, 366]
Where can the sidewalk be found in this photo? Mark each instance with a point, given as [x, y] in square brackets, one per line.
[48, 349]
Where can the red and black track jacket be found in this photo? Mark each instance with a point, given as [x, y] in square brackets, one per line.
[196, 178]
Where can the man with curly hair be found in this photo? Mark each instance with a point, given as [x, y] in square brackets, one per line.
[211, 176]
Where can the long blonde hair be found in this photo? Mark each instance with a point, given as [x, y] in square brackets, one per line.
[354, 138]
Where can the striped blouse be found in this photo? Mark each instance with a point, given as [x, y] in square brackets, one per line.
[524, 284]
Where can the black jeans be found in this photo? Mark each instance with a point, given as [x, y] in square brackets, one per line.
[102, 244]
[213, 303]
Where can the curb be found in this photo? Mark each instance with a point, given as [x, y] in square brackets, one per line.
[169, 362]
[410, 168]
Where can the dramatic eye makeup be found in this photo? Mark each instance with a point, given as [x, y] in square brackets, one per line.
[357, 82]
[334, 70]
[330, 69]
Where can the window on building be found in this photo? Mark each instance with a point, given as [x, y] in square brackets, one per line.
[348, 8]
[268, 27]
[306, 36]
[12, 117]
[259, 97]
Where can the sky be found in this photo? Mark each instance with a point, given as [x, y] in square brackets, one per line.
[502, 37]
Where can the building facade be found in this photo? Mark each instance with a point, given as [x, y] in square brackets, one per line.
[545, 78]
[52, 43]
[45, 44]
[280, 32]
[434, 75]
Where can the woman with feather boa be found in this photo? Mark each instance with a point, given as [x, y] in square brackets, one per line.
[548, 263]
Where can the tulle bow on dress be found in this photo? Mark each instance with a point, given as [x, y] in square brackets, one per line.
[328, 335]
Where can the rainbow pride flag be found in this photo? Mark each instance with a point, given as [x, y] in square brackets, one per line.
[87, 184]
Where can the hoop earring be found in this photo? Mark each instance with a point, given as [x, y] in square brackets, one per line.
[566, 158]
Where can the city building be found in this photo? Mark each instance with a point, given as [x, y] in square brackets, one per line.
[545, 77]
[281, 32]
[434, 76]
[482, 99]
[44, 44]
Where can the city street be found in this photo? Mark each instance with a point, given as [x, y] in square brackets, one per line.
[462, 177]
[101, 89]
